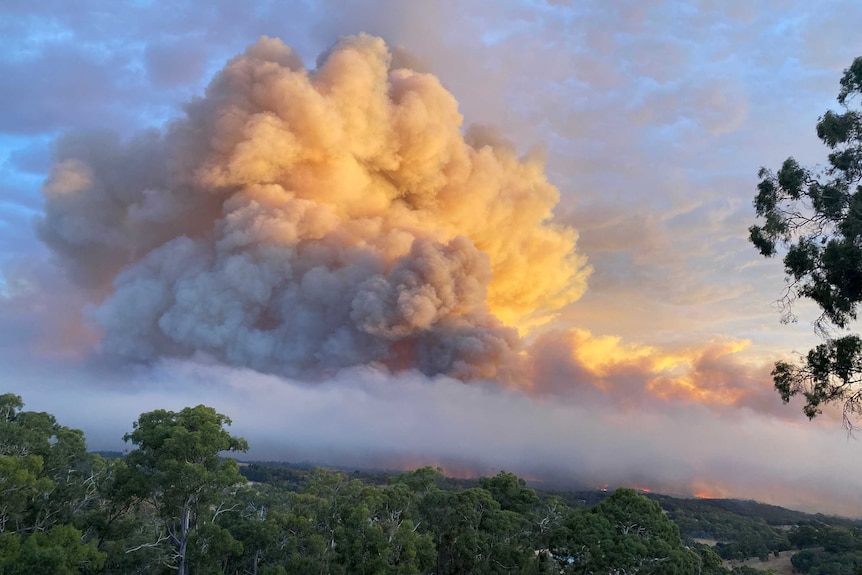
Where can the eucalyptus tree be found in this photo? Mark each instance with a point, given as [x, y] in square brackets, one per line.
[177, 468]
[46, 484]
[814, 215]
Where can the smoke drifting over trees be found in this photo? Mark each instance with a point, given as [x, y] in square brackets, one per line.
[297, 221]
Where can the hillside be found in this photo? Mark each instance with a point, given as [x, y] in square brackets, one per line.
[741, 532]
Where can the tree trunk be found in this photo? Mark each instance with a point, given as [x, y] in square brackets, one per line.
[184, 539]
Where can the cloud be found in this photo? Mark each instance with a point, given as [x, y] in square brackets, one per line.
[604, 369]
[302, 220]
[42, 314]
[73, 94]
[297, 221]
[34, 158]
[175, 63]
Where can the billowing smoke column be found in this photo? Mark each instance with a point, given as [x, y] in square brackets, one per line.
[299, 221]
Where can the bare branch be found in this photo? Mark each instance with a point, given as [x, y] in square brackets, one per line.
[156, 543]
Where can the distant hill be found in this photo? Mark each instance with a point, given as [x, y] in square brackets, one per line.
[587, 497]
[772, 514]
[733, 529]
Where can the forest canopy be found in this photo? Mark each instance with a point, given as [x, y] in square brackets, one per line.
[176, 504]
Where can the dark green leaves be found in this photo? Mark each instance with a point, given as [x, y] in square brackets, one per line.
[834, 129]
[625, 533]
[851, 81]
[830, 372]
[58, 551]
[792, 179]
[816, 216]
[177, 469]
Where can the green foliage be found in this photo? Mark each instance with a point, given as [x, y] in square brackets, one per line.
[746, 570]
[825, 563]
[287, 478]
[830, 372]
[177, 469]
[44, 470]
[46, 485]
[816, 216]
[626, 532]
[174, 505]
[739, 526]
[178, 453]
[58, 551]
[510, 491]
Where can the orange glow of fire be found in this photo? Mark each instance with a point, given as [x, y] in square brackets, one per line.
[703, 490]
[449, 468]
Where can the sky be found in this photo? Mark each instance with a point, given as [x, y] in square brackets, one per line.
[478, 234]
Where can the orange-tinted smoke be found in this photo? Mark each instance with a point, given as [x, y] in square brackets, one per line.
[579, 363]
[301, 220]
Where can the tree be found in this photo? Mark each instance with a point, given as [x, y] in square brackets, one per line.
[815, 214]
[58, 551]
[177, 469]
[625, 533]
[45, 485]
[511, 492]
[43, 479]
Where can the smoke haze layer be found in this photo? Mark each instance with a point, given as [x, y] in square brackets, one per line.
[365, 418]
[301, 221]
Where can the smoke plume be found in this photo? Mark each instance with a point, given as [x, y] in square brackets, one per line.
[300, 221]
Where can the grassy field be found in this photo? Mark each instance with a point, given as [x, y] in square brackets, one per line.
[704, 541]
[780, 565]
